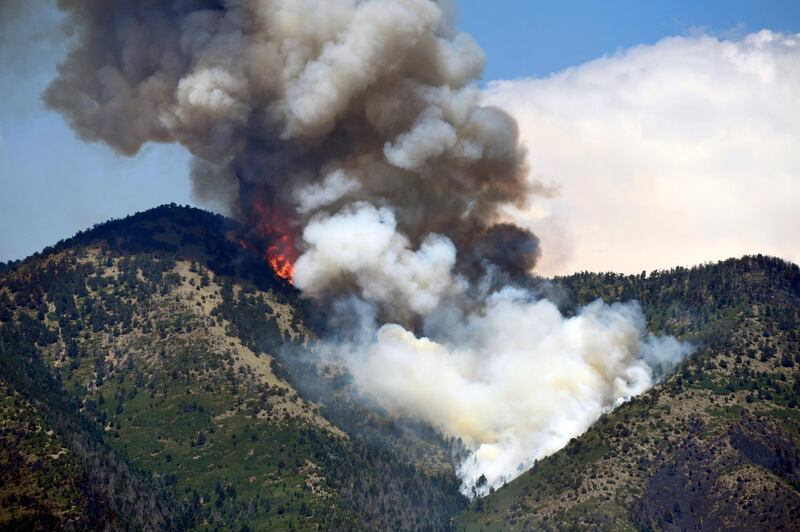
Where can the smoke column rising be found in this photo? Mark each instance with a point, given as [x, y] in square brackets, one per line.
[310, 104]
[351, 133]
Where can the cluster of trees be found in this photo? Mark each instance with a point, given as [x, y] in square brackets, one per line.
[704, 301]
[251, 319]
[105, 487]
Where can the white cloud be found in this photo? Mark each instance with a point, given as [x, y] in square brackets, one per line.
[675, 153]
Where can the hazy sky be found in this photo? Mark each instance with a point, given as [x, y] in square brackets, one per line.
[52, 184]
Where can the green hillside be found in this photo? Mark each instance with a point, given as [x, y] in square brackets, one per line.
[151, 378]
[163, 339]
[715, 447]
[56, 470]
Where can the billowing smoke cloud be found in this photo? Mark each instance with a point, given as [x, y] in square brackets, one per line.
[314, 104]
[515, 379]
[361, 244]
[348, 134]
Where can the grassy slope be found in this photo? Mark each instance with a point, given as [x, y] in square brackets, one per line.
[164, 334]
[714, 447]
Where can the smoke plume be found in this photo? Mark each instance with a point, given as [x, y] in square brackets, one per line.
[315, 103]
[515, 380]
[349, 135]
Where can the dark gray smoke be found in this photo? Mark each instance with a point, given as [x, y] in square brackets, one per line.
[314, 108]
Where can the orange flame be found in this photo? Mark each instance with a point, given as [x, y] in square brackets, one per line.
[281, 256]
[273, 233]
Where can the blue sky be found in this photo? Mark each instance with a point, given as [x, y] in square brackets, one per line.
[52, 184]
[537, 37]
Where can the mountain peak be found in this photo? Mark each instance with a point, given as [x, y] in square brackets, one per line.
[154, 355]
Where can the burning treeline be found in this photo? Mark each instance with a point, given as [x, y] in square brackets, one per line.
[349, 136]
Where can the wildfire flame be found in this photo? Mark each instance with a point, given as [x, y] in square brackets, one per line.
[271, 231]
[281, 256]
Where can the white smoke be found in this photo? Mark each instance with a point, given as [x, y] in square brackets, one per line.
[515, 380]
[502, 370]
[361, 244]
[335, 186]
[430, 137]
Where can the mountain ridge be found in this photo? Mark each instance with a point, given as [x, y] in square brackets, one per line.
[175, 346]
[686, 454]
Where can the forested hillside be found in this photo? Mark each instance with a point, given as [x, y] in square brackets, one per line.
[151, 377]
[715, 447]
[144, 355]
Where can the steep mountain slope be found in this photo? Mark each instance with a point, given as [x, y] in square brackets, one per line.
[715, 447]
[152, 377]
[56, 470]
[166, 336]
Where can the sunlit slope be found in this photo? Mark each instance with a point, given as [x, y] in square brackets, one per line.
[152, 376]
[714, 447]
[166, 336]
